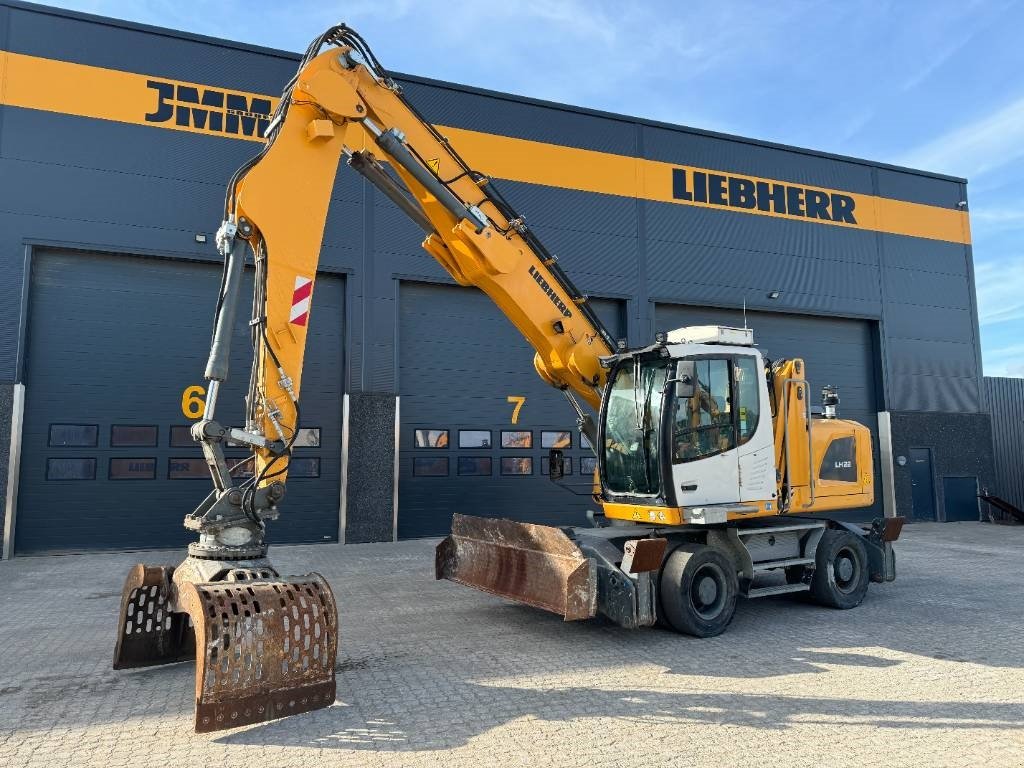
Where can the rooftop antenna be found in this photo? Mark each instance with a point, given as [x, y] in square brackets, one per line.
[744, 312]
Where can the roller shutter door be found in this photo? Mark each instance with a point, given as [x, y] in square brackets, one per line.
[113, 342]
[460, 361]
[837, 351]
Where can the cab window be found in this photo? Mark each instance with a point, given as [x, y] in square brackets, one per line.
[747, 393]
[703, 424]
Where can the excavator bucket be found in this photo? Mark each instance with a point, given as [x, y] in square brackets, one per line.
[268, 643]
[535, 565]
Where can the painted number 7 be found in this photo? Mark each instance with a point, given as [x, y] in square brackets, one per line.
[518, 400]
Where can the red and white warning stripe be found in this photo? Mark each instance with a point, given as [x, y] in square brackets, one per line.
[301, 298]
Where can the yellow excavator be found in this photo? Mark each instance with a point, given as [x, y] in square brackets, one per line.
[709, 459]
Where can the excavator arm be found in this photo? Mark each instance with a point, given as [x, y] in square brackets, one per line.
[343, 106]
[265, 644]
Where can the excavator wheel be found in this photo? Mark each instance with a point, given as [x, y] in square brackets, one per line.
[840, 577]
[698, 590]
[269, 643]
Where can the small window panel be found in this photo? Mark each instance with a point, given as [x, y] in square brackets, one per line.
[475, 466]
[132, 469]
[71, 469]
[566, 463]
[429, 466]
[588, 464]
[133, 436]
[431, 438]
[187, 469]
[516, 465]
[584, 442]
[474, 438]
[517, 439]
[181, 437]
[308, 437]
[307, 466]
[840, 460]
[73, 435]
[241, 468]
[555, 439]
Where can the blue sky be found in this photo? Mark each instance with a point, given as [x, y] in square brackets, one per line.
[936, 85]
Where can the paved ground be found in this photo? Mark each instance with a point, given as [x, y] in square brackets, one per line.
[929, 671]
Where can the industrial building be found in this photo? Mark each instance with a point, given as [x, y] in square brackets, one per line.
[419, 398]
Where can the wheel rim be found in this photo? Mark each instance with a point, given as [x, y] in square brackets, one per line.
[708, 592]
[846, 568]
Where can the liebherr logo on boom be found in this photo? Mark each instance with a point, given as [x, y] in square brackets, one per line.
[207, 109]
[546, 287]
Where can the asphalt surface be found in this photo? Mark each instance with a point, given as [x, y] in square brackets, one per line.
[928, 671]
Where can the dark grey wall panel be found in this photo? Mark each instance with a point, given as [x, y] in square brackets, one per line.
[710, 226]
[68, 140]
[116, 340]
[1005, 405]
[445, 106]
[940, 358]
[913, 286]
[757, 271]
[924, 255]
[905, 321]
[918, 189]
[934, 393]
[753, 160]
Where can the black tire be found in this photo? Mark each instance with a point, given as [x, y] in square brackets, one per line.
[841, 570]
[698, 590]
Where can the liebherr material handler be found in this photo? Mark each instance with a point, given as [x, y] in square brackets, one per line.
[709, 460]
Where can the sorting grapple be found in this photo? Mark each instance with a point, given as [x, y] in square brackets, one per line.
[267, 644]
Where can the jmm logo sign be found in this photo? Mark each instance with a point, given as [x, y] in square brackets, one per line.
[209, 110]
[781, 199]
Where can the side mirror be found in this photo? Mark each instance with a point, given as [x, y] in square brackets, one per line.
[556, 465]
[685, 378]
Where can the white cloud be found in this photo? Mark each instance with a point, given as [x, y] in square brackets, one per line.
[1005, 361]
[976, 148]
[1000, 286]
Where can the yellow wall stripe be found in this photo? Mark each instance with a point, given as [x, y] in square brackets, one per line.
[77, 89]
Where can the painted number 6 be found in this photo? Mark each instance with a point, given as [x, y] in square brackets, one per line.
[192, 401]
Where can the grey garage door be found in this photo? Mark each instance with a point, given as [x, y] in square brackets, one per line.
[113, 342]
[837, 351]
[464, 446]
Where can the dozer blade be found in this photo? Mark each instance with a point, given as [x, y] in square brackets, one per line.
[532, 564]
[267, 644]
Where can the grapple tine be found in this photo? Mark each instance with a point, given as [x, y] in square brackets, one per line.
[269, 648]
[150, 632]
[537, 565]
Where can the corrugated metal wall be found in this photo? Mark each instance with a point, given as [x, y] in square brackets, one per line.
[1005, 401]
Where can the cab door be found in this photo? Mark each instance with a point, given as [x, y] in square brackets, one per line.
[705, 460]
